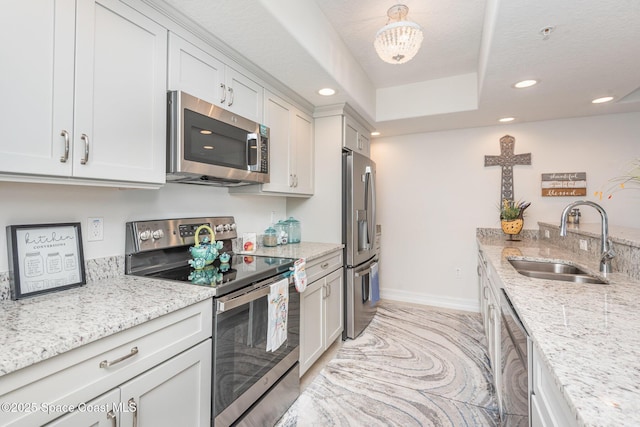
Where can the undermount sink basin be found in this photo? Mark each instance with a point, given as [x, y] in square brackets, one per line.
[552, 270]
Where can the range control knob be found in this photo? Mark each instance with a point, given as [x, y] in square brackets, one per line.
[158, 234]
[227, 227]
[233, 226]
[145, 235]
[219, 227]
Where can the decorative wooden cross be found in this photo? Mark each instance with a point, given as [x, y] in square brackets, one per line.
[507, 160]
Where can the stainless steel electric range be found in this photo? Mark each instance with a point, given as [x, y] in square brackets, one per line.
[251, 385]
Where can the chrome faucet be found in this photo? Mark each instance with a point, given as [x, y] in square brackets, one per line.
[606, 248]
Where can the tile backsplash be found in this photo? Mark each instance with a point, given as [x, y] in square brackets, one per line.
[95, 269]
[626, 244]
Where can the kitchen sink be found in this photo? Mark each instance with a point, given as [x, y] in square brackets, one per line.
[553, 270]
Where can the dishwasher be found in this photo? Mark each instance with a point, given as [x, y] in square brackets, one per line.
[514, 365]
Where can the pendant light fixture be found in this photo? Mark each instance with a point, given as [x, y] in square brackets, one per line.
[399, 40]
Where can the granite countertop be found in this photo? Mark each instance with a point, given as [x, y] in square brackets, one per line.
[37, 328]
[588, 334]
[306, 250]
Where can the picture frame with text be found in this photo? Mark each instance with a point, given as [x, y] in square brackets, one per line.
[44, 258]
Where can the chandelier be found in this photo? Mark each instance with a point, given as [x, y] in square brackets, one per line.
[399, 40]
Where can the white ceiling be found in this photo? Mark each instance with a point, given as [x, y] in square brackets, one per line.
[593, 51]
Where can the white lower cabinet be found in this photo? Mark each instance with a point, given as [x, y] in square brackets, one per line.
[490, 311]
[174, 393]
[548, 406]
[321, 306]
[157, 373]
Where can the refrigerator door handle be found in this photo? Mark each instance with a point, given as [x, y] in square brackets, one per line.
[370, 206]
[373, 208]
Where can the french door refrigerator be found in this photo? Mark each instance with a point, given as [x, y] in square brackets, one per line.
[359, 234]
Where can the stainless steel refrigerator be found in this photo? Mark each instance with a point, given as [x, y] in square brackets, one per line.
[359, 234]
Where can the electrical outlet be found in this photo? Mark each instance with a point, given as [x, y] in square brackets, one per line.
[547, 234]
[95, 227]
[583, 245]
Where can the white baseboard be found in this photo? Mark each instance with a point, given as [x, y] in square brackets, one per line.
[463, 304]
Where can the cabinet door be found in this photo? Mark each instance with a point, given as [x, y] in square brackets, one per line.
[103, 411]
[333, 306]
[120, 103]
[174, 393]
[302, 153]
[311, 324]
[356, 137]
[195, 72]
[550, 406]
[277, 116]
[37, 56]
[244, 96]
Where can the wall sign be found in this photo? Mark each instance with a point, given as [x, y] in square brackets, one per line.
[44, 258]
[564, 184]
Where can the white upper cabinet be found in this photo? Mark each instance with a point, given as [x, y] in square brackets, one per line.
[291, 155]
[89, 104]
[356, 137]
[204, 76]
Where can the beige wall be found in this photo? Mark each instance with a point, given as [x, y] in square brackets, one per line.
[434, 191]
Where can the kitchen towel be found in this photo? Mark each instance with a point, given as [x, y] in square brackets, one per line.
[375, 284]
[278, 314]
[300, 275]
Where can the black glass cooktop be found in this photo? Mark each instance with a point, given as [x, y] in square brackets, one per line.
[240, 271]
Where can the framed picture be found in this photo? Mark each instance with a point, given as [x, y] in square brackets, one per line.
[44, 258]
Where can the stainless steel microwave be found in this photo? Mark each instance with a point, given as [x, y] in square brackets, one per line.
[210, 145]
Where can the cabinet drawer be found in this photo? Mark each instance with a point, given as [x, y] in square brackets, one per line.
[324, 265]
[88, 371]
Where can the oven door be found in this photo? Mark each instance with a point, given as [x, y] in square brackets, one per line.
[243, 370]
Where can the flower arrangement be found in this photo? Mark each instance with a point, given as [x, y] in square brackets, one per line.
[511, 210]
[627, 181]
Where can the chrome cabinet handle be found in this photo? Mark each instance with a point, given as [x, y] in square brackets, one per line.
[112, 416]
[296, 178]
[132, 404]
[85, 159]
[107, 364]
[224, 93]
[327, 291]
[290, 180]
[324, 266]
[230, 97]
[65, 156]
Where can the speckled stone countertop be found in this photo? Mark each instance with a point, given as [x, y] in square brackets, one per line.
[588, 335]
[306, 250]
[37, 328]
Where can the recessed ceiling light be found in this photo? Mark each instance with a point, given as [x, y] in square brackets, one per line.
[525, 83]
[602, 100]
[506, 119]
[327, 91]
[376, 133]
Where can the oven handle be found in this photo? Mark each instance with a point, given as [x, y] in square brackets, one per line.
[232, 303]
[227, 303]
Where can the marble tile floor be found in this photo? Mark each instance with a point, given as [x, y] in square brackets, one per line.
[413, 366]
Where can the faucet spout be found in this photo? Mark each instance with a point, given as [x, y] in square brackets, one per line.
[606, 249]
